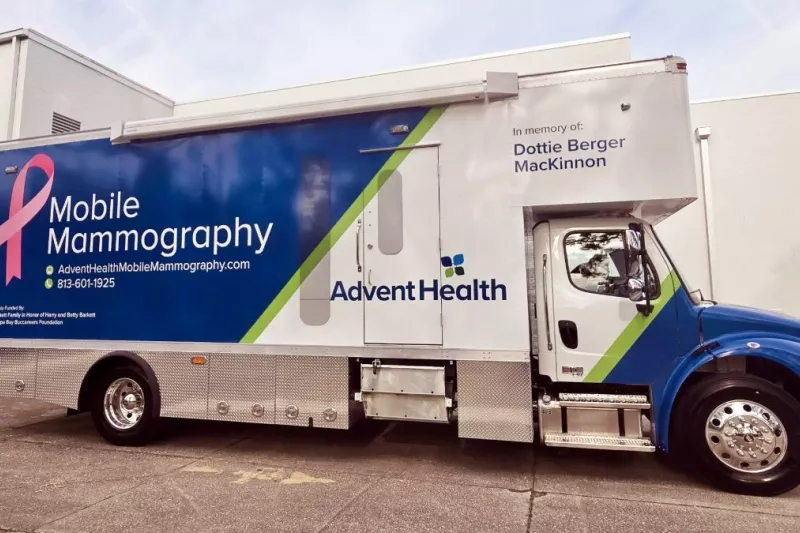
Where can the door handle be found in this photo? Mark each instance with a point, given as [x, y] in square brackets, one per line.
[546, 310]
[569, 333]
[358, 246]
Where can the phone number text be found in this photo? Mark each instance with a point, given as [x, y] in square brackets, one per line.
[85, 283]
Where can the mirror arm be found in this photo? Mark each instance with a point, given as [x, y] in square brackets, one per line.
[645, 308]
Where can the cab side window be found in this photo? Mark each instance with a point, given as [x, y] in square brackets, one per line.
[596, 263]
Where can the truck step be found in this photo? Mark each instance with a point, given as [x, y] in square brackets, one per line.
[607, 401]
[599, 442]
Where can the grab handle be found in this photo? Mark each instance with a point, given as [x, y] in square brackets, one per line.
[358, 246]
[546, 310]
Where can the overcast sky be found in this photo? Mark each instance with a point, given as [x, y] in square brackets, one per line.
[196, 49]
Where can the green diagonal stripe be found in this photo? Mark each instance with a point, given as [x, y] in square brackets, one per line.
[631, 333]
[349, 217]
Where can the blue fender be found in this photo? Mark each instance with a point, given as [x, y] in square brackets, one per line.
[780, 349]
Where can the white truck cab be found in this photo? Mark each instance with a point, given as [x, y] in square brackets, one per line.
[587, 300]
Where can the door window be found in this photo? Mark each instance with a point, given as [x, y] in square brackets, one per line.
[596, 263]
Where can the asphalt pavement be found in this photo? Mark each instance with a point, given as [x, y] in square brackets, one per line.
[57, 475]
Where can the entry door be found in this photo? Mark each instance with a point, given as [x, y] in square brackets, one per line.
[590, 299]
[401, 255]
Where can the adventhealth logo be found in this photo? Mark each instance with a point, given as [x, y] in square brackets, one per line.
[453, 265]
[433, 289]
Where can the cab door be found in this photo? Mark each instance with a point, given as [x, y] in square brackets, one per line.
[594, 323]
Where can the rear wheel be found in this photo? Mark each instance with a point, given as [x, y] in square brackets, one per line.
[742, 432]
[123, 407]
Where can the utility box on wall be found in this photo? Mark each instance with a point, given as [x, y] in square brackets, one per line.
[47, 88]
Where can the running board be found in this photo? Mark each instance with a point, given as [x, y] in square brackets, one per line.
[599, 421]
[604, 401]
[599, 442]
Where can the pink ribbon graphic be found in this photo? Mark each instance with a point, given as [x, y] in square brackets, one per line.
[20, 213]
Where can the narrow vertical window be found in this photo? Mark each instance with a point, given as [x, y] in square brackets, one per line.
[390, 215]
[313, 210]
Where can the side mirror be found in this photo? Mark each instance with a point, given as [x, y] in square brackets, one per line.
[634, 268]
[636, 289]
[634, 239]
[636, 282]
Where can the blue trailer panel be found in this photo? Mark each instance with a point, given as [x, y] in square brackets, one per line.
[185, 239]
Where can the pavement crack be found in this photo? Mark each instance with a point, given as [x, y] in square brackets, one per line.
[142, 482]
[534, 493]
[136, 451]
[381, 438]
[115, 495]
[529, 518]
[346, 505]
[186, 497]
[15, 530]
[674, 504]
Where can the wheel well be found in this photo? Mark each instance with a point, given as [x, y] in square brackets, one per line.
[754, 365]
[105, 364]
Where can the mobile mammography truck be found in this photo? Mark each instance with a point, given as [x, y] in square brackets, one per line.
[479, 254]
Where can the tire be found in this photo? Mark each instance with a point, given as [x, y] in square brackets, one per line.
[125, 423]
[718, 410]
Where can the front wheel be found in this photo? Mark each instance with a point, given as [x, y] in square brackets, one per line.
[742, 432]
[123, 407]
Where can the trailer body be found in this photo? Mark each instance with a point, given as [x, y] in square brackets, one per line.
[480, 254]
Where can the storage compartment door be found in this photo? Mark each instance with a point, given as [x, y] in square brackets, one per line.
[402, 273]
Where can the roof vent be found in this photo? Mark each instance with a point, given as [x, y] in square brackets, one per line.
[63, 124]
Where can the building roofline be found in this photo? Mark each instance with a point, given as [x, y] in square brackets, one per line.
[33, 35]
[6, 36]
[745, 96]
[423, 66]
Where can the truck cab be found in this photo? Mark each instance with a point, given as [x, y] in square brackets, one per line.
[594, 307]
[629, 358]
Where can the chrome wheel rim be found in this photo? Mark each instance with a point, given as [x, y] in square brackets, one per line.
[746, 436]
[123, 404]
